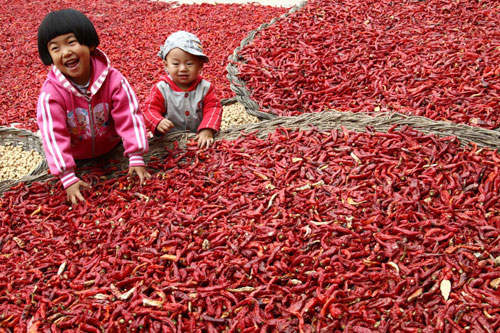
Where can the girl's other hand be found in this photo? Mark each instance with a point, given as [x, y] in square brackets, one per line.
[164, 126]
[141, 172]
[205, 138]
[73, 193]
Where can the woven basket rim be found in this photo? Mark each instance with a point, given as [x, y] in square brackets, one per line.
[29, 141]
[322, 121]
[237, 85]
[8, 130]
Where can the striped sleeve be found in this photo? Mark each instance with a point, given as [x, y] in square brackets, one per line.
[136, 160]
[154, 109]
[51, 119]
[68, 178]
[129, 122]
[212, 111]
[137, 118]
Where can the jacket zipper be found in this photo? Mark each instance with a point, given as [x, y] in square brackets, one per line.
[91, 118]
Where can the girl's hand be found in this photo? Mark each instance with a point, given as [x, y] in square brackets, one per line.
[205, 138]
[164, 126]
[73, 193]
[141, 172]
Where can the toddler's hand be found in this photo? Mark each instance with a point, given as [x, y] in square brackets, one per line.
[164, 126]
[73, 193]
[141, 172]
[205, 138]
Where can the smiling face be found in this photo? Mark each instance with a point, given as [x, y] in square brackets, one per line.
[183, 67]
[71, 57]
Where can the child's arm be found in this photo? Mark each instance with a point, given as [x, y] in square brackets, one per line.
[154, 112]
[141, 172]
[212, 117]
[164, 126]
[129, 124]
[51, 119]
[73, 193]
[205, 138]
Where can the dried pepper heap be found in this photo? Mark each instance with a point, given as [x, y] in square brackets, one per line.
[436, 58]
[300, 231]
[132, 45]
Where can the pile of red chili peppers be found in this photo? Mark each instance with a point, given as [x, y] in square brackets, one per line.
[302, 231]
[131, 33]
[435, 58]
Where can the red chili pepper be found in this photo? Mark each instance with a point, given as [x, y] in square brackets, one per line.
[373, 249]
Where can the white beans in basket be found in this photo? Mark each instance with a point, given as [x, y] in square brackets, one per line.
[235, 114]
[16, 163]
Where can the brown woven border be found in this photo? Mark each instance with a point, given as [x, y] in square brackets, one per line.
[359, 121]
[323, 121]
[237, 85]
[228, 101]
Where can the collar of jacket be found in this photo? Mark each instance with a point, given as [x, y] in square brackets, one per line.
[100, 66]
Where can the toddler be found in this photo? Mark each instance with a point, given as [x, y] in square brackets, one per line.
[86, 107]
[182, 100]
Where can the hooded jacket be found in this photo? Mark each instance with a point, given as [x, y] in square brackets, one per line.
[192, 110]
[76, 126]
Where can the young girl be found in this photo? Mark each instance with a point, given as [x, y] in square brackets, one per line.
[86, 107]
[182, 100]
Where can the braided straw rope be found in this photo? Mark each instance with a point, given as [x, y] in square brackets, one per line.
[380, 122]
[237, 85]
[322, 121]
[335, 120]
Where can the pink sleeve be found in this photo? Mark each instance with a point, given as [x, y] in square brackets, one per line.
[51, 119]
[154, 109]
[212, 111]
[129, 123]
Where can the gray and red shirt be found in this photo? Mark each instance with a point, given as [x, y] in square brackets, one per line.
[192, 110]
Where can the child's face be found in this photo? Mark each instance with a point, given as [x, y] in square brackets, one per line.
[183, 67]
[71, 57]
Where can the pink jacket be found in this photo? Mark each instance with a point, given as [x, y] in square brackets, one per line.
[77, 126]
